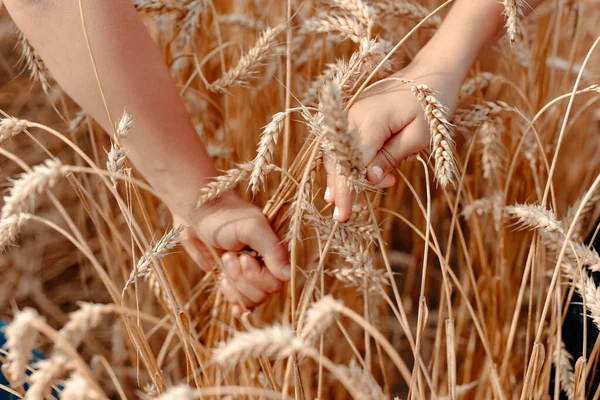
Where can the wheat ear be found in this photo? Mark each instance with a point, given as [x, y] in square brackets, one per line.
[11, 127]
[33, 62]
[442, 145]
[21, 339]
[22, 193]
[160, 250]
[274, 341]
[266, 149]
[339, 141]
[249, 62]
[78, 388]
[319, 318]
[226, 182]
[533, 216]
[513, 12]
[179, 392]
[565, 376]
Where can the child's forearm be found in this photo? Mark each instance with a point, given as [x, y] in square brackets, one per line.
[471, 25]
[164, 145]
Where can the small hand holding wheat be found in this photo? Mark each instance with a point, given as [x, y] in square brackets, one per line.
[396, 118]
[229, 224]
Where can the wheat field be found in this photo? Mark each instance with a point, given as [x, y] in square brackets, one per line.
[453, 284]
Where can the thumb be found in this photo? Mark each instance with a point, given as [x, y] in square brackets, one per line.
[259, 236]
[412, 139]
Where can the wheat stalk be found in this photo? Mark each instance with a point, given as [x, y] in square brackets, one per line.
[441, 134]
[249, 62]
[23, 190]
[21, 340]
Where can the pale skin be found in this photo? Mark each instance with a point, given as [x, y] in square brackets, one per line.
[166, 149]
[390, 123]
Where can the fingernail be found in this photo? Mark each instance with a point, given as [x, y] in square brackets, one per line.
[286, 271]
[336, 213]
[327, 194]
[378, 172]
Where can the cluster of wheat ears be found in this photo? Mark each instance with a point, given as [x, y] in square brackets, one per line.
[453, 284]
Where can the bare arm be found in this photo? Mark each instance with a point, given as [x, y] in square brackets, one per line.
[470, 27]
[164, 145]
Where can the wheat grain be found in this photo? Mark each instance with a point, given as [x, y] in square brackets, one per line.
[179, 392]
[566, 376]
[158, 5]
[241, 20]
[77, 388]
[339, 141]
[492, 149]
[364, 382]
[248, 64]
[319, 318]
[125, 125]
[534, 217]
[513, 12]
[47, 371]
[274, 341]
[266, 148]
[406, 10]
[226, 182]
[191, 21]
[115, 161]
[363, 13]
[478, 82]
[442, 145]
[22, 193]
[21, 340]
[160, 250]
[10, 228]
[81, 321]
[33, 62]
[11, 127]
[334, 24]
[78, 122]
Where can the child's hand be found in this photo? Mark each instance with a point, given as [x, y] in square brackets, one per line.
[229, 224]
[391, 125]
